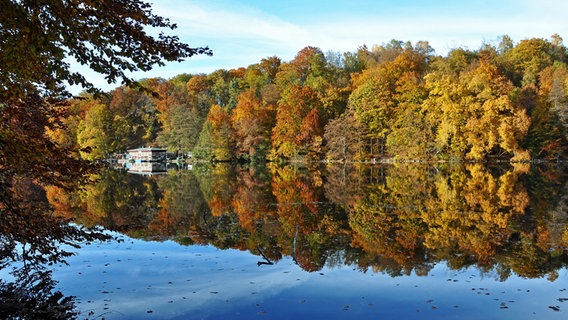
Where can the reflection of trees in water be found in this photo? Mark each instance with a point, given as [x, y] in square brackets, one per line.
[541, 244]
[465, 217]
[344, 184]
[558, 223]
[386, 221]
[395, 218]
[181, 206]
[31, 239]
[31, 295]
[116, 200]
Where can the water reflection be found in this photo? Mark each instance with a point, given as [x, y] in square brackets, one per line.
[395, 219]
[31, 239]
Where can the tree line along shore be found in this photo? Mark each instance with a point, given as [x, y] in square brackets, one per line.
[393, 102]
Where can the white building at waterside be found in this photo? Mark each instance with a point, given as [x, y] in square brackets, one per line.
[147, 154]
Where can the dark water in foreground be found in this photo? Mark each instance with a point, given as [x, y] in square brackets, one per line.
[382, 242]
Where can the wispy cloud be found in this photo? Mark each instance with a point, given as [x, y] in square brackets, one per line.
[224, 24]
[241, 26]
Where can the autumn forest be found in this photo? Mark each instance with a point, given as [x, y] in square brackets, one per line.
[394, 101]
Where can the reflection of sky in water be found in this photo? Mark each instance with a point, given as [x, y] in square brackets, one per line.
[136, 279]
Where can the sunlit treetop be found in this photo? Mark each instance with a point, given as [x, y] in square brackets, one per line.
[39, 39]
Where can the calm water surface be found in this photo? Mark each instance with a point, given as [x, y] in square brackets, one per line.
[149, 280]
[335, 242]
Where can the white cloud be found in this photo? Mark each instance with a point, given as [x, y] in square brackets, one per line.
[229, 27]
[224, 24]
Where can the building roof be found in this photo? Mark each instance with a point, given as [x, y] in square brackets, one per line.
[148, 149]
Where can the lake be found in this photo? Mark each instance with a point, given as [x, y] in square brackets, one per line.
[394, 241]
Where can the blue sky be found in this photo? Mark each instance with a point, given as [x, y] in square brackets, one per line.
[242, 32]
